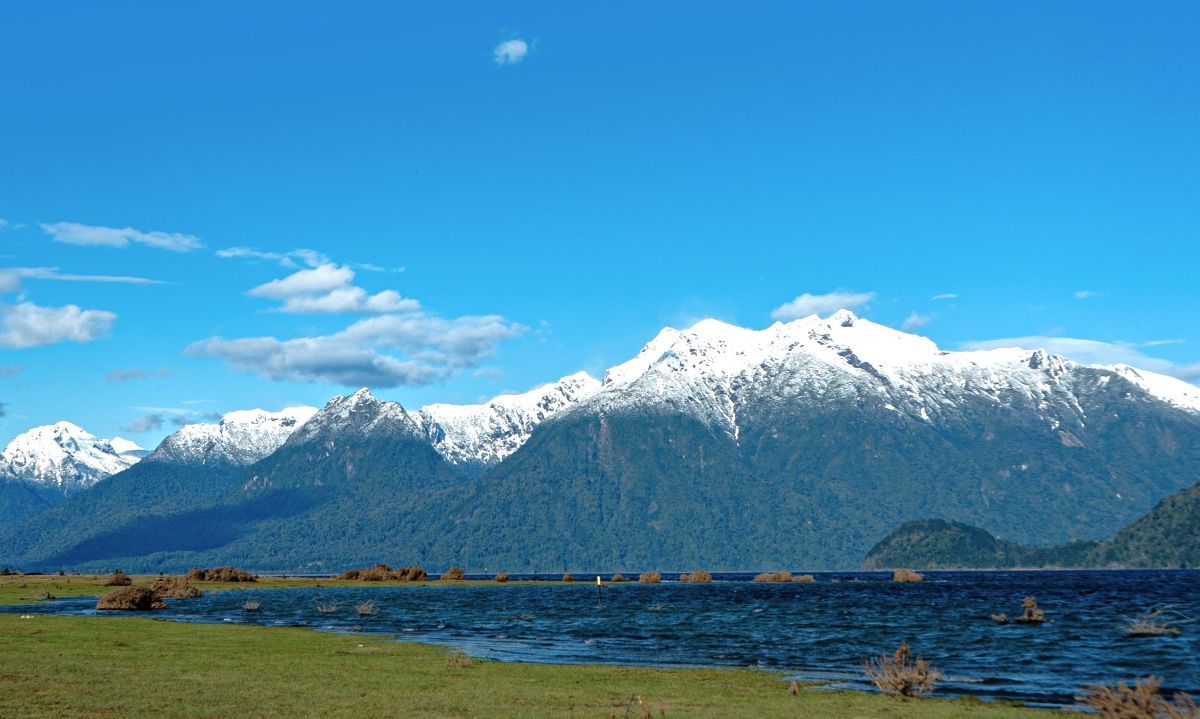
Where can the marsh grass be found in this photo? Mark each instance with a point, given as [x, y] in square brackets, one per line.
[1031, 613]
[251, 605]
[327, 608]
[1155, 623]
[366, 609]
[1141, 700]
[458, 660]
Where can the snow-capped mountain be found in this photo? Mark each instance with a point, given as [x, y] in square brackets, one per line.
[715, 370]
[66, 457]
[359, 415]
[484, 434]
[240, 438]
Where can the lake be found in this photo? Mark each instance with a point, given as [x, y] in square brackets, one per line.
[816, 631]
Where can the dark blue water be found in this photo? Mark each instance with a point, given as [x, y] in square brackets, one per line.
[809, 631]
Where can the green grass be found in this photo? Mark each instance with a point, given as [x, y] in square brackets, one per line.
[136, 666]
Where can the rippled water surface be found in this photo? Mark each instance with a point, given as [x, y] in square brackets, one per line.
[811, 631]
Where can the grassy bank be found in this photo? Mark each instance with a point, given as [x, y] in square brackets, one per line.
[136, 666]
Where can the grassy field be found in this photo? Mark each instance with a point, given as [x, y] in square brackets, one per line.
[135, 666]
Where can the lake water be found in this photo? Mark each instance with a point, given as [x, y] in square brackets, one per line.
[808, 631]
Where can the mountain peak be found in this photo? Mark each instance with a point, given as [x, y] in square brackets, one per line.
[66, 456]
[241, 437]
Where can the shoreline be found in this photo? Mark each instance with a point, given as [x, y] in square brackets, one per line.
[130, 665]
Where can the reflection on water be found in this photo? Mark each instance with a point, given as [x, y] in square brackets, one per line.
[811, 631]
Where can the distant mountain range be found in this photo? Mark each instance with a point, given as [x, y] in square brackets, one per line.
[800, 446]
[1168, 536]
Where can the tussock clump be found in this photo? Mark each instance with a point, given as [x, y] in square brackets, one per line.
[454, 574]
[1140, 701]
[1000, 618]
[568, 578]
[384, 573]
[119, 579]
[640, 708]
[907, 575]
[618, 578]
[696, 577]
[133, 599]
[220, 574]
[650, 577]
[1155, 624]
[501, 576]
[804, 578]
[366, 609]
[900, 675]
[326, 608]
[175, 588]
[773, 577]
[1031, 613]
[458, 660]
[251, 605]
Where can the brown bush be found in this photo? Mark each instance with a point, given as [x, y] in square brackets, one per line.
[501, 576]
[220, 574]
[454, 574]
[696, 577]
[384, 573]
[650, 577]
[134, 599]
[1140, 701]
[618, 578]
[196, 574]
[773, 577]
[899, 675]
[907, 575]
[1031, 613]
[1154, 623]
[804, 578]
[175, 588]
[118, 579]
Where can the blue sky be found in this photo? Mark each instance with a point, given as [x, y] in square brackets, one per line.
[495, 195]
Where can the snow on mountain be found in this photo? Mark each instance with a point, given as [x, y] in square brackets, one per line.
[359, 414]
[715, 370]
[484, 434]
[241, 437]
[66, 456]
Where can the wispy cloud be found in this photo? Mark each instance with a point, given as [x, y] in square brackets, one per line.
[1095, 352]
[915, 320]
[74, 233]
[365, 353]
[809, 304]
[329, 288]
[12, 277]
[945, 296]
[133, 373]
[143, 424]
[292, 260]
[510, 52]
[1086, 294]
[29, 325]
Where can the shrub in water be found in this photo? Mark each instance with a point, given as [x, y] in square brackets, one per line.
[251, 605]
[454, 574]
[175, 588]
[900, 675]
[650, 577]
[907, 575]
[1031, 613]
[501, 576]
[773, 577]
[618, 578]
[136, 599]
[804, 578]
[568, 578]
[696, 577]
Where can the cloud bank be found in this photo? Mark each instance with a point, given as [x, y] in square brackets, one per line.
[28, 325]
[74, 233]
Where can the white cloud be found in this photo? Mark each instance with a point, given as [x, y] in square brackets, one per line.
[1086, 294]
[291, 260]
[73, 233]
[808, 304]
[510, 52]
[431, 349]
[11, 277]
[328, 288]
[29, 325]
[915, 320]
[1095, 352]
[945, 296]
